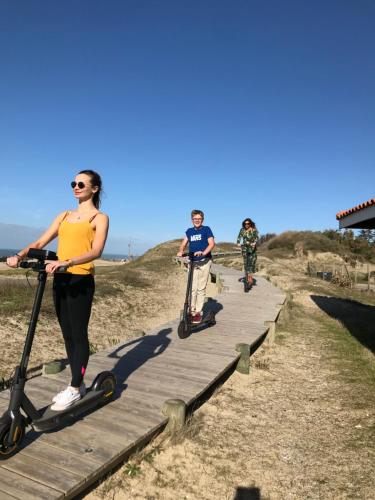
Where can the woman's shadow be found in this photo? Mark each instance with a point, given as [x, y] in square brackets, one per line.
[145, 348]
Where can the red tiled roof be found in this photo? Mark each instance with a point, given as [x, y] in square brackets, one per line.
[343, 213]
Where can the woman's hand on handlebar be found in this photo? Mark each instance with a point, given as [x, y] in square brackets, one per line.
[53, 266]
[13, 261]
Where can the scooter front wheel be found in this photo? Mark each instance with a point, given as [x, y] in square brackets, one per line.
[183, 330]
[7, 451]
[212, 319]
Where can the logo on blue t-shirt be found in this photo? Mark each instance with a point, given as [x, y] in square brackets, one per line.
[198, 240]
[196, 237]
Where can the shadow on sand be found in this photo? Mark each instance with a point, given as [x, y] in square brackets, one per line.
[358, 318]
[247, 493]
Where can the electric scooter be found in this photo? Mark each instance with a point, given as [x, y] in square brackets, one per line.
[185, 326]
[13, 422]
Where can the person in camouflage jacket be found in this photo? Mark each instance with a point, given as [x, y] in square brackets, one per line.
[249, 236]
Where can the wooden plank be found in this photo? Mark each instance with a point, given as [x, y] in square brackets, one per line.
[122, 409]
[23, 488]
[46, 474]
[50, 454]
[5, 496]
[177, 372]
[128, 430]
[129, 372]
[99, 444]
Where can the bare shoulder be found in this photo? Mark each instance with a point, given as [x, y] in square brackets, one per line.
[102, 216]
[61, 216]
[101, 219]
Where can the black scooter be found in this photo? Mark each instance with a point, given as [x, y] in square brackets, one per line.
[13, 422]
[185, 326]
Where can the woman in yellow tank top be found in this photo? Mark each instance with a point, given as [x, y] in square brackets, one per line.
[82, 234]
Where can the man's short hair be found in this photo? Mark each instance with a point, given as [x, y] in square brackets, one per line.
[197, 212]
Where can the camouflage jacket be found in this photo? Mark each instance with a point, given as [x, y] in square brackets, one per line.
[249, 237]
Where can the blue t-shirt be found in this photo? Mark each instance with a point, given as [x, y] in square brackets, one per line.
[198, 241]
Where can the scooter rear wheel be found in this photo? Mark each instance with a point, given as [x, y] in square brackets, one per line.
[105, 381]
[183, 330]
[8, 451]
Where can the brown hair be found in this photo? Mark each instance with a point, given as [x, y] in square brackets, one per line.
[96, 181]
[252, 223]
[197, 212]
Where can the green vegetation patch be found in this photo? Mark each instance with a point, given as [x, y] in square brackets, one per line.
[17, 296]
[345, 330]
[344, 244]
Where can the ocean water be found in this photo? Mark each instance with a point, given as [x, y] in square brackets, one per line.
[5, 252]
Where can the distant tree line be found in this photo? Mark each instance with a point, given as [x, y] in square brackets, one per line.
[350, 245]
[263, 238]
[361, 245]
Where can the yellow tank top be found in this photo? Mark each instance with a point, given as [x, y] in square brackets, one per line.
[74, 239]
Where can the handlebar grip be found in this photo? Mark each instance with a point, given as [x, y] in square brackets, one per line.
[25, 264]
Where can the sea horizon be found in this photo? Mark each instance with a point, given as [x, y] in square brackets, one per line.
[5, 252]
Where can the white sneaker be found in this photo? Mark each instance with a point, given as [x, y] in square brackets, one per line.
[65, 399]
[82, 391]
[59, 395]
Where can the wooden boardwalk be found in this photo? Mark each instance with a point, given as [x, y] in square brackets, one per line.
[149, 370]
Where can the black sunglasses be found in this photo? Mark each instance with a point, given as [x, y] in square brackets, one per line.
[80, 184]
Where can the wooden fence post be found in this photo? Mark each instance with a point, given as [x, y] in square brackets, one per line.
[175, 410]
[243, 365]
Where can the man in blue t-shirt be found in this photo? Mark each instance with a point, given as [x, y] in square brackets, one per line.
[201, 242]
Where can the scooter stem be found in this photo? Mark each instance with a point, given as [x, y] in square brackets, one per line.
[42, 278]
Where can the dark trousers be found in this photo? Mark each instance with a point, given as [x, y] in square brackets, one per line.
[73, 295]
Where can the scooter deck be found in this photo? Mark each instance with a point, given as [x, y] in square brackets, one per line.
[51, 418]
[208, 319]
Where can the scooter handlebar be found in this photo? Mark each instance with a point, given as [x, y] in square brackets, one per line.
[188, 254]
[39, 266]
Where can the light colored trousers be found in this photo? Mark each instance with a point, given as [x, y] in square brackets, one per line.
[198, 290]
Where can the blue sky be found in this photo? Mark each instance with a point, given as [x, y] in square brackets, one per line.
[240, 108]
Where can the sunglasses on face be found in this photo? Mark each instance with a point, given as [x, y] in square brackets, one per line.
[247, 223]
[79, 184]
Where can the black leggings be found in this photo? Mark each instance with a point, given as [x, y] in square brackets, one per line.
[73, 295]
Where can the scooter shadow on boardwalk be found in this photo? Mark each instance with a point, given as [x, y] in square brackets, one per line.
[145, 348]
[210, 306]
